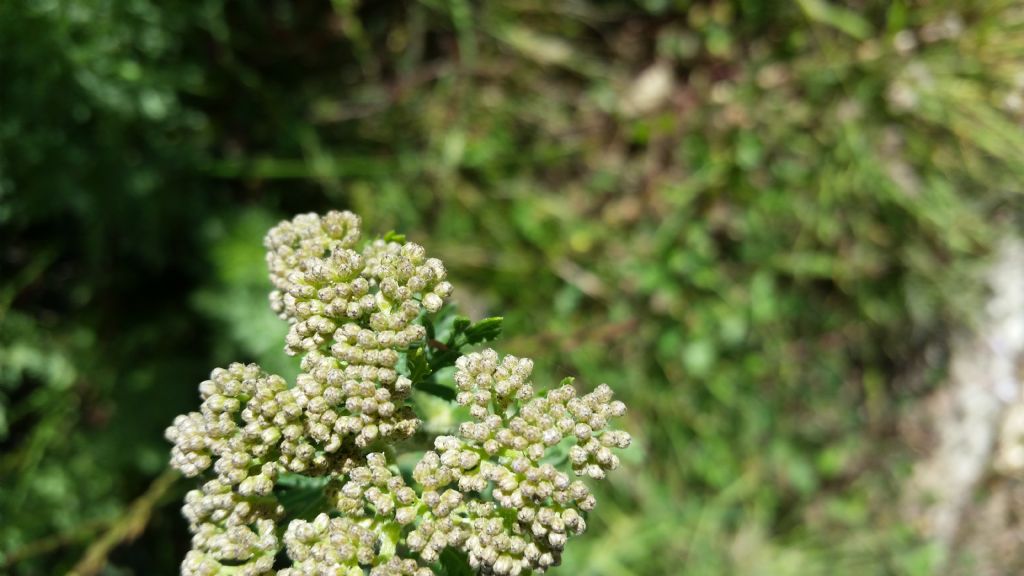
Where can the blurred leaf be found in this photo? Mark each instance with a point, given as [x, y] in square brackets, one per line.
[842, 19]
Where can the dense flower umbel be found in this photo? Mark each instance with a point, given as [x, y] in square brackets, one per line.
[493, 492]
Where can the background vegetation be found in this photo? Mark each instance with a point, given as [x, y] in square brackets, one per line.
[751, 218]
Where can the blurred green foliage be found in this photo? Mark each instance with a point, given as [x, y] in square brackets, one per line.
[751, 218]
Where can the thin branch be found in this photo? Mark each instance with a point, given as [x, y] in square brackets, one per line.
[126, 528]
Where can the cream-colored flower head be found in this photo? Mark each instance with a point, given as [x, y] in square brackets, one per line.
[358, 314]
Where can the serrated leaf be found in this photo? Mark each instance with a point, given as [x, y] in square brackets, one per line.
[486, 329]
[443, 358]
[460, 324]
[302, 497]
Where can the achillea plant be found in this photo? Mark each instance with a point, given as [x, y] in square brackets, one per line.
[305, 479]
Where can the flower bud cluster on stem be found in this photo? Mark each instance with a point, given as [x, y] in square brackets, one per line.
[356, 309]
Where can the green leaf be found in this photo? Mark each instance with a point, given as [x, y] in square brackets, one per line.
[842, 19]
[484, 330]
[301, 496]
[393, 236]
[431, 334]
[455, 563]
[460, 324]
[434, 389]
[418, 365]
[293, 480]
[440, 359]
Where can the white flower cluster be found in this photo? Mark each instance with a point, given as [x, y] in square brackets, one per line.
[493, 492]
[329, 291]
[351, 313]
[238, 431]
[229, 529]
[215, 436]
[534, 507]
[328, 546]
